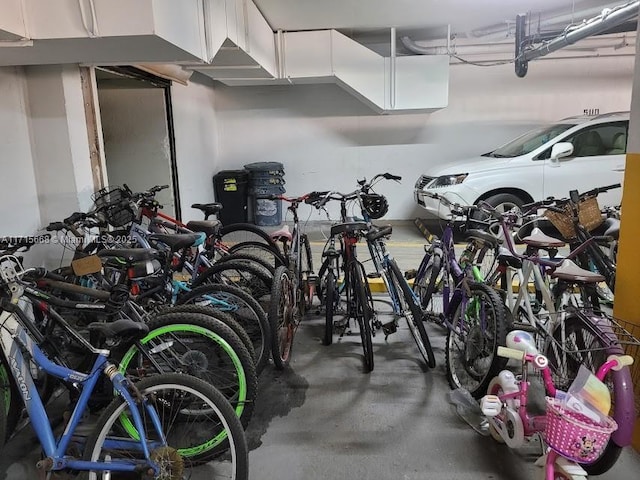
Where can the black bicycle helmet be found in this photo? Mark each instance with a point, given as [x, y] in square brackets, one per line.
[375, 205]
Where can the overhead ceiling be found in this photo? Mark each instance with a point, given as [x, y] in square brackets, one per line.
[423, 19]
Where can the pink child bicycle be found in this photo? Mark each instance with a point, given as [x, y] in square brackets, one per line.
[573, 438]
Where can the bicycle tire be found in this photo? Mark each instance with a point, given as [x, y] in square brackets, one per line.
[330, 303]
[282, 318]
[224, 317]
[591, 352]
[223, 419]
[411, 306]
[247, 277]
[363, 311]
[425, 286]
[305, 273]
[474, 364]
[268, 253]
[239, 382]
[321, 278]
[245, 232]
[250, 259]
[246, 311]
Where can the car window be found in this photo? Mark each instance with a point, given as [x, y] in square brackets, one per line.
[529, 141]
[602, 139]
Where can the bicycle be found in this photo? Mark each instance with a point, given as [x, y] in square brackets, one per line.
[575, 434]
[293, 285]
[152, 447]
[455, 296]
[403, 301]
[570, 335]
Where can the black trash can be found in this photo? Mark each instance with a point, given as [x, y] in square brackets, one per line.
[230, 188]
[265, 179]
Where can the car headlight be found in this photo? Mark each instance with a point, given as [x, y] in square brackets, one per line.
[449, 180]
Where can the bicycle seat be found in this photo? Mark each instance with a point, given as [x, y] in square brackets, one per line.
[610, 227]
[483, 237]
[211, 228]
[505, 257]
[569, 271]
[120, 328]
[178, 241]
[283, 234]
[378, 232]
[130, 255]
[208, 208]
[349, 228]
[539, 239]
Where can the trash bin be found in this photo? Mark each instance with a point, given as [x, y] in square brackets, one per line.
[266, 211]
[265, 179]
[230, 188]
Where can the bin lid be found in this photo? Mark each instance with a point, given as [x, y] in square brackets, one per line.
[267, 166]
[232, 173]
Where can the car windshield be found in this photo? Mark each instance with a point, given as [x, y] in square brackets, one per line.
[529, 141]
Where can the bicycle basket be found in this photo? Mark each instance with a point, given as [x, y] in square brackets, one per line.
[574, 435]
[588, 213]
[111, 201]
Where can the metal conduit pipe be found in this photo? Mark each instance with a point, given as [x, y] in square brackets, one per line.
[608, 19]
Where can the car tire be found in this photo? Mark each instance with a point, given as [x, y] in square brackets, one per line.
[504, 202]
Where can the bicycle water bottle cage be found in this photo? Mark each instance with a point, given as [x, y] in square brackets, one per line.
[282, 235]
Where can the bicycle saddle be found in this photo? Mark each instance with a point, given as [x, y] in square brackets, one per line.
[129, 255]
[505, 257]
[283, 233]
[120, 328]
[208, 208]
[610, 227]
[571, 272]
[211, 228]
[539, 239]
[178, 241]
[348, 228]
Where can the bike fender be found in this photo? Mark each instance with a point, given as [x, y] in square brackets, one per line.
[624, 410]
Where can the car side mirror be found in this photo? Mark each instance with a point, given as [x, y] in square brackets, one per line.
[560, 150]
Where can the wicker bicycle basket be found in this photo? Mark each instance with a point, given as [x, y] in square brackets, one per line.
[111, 201]
[574, 435]
[588, 213]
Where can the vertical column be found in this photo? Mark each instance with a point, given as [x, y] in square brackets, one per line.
[626, 307]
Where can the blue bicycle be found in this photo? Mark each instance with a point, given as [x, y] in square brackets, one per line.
[149, 429]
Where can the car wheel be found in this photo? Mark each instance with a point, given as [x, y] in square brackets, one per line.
[502, 202]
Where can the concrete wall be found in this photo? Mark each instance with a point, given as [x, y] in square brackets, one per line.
[196, 137]
[327, 139]
[136, 142]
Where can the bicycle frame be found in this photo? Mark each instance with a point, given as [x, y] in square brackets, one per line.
[16, 345]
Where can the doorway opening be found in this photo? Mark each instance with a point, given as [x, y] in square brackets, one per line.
[137, 130]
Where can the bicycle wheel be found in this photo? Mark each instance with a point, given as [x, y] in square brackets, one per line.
[245, 232]
[305, 285]
[201, 346]
[412, 313]
[282, 317]
[577, 342]
[253, 280]
[191, 413]
[250, 259]
[224, 317]
[267, 253]
[364, 312]
[479, 326]
[330, 263]
[427, 285]
[332, 296]
[246, 311]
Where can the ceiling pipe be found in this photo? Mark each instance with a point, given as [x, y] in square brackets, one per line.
[608, 19]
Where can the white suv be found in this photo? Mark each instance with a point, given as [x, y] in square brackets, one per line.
[523, 171]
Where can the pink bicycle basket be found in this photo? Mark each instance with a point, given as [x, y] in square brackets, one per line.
[574, 435]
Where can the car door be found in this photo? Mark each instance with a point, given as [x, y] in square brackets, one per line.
[598, 160]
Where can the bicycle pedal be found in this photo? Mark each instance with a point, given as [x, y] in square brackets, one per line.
[490, 405]
[373, 275]
[389, 328]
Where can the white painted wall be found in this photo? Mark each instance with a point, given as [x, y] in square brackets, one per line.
[136, 142]
[196, 136]
[327, 139]
[19, 210]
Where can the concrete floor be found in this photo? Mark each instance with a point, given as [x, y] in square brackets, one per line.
[325, 419]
